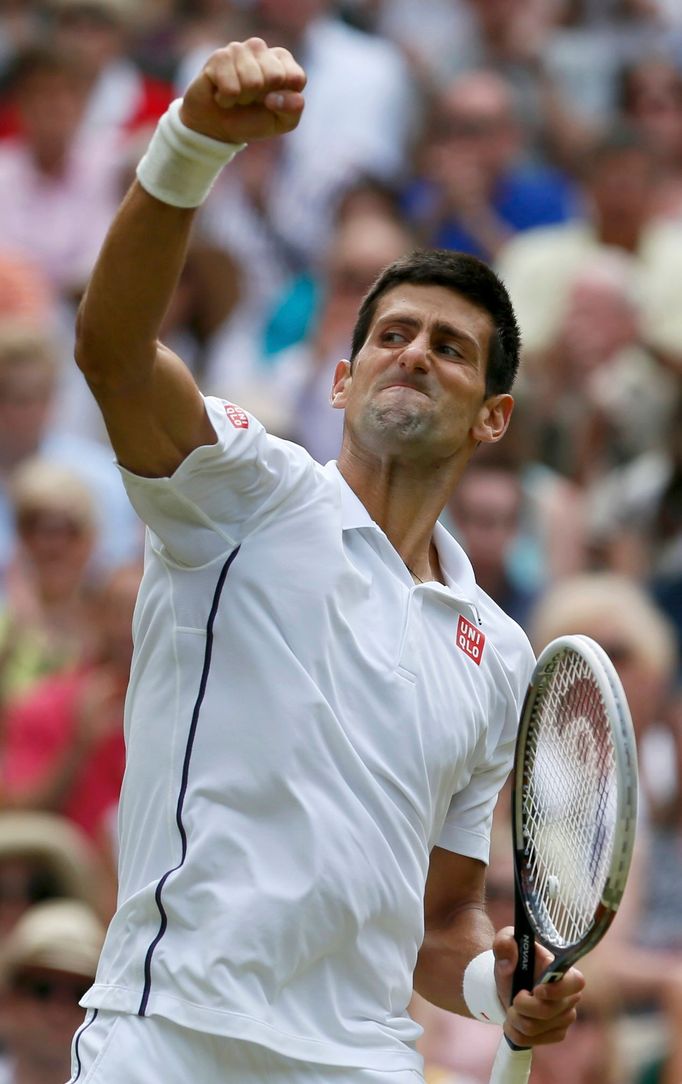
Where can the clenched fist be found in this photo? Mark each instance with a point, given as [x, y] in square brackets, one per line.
[246, 91]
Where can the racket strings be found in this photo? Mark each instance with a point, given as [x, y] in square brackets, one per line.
[569, 802]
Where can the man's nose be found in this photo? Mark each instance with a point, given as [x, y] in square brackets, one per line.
[415, 355]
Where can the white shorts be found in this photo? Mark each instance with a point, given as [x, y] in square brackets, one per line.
[112, 1047]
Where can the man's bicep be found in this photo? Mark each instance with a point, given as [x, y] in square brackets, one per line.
[454, 881]
[155, 423]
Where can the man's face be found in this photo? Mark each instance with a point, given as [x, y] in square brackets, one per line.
[41, 1013]
[486, 508]
[621, 187]
[26, 393]
[417, 388]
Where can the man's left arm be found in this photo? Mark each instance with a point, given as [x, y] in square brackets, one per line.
[457, 929]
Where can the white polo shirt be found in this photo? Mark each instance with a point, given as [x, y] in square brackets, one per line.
[303, 724]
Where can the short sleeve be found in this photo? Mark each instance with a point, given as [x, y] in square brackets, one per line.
[468, 822]
[220, 492]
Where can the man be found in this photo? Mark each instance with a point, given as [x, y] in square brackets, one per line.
[322, 704]
[29, 374]
[47, 962]
[476, 190]
[64, 749]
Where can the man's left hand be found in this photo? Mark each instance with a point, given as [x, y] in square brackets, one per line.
[542, 1015]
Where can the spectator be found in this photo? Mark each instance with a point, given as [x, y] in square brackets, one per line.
[64, 749]
[44, 857]
[48, 963]
[368, 129]
[25, 293]
[635, 519]
[602, 397]
[514, 37]
[487, 519]
[28, 387]
[539, 265]
[651, 100]
[100, 35]
[475, 190]
[58, 187]
[43, 625]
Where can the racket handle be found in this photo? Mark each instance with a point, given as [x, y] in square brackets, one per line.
[511, 1065]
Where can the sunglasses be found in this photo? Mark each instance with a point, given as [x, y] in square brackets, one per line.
[44, 989]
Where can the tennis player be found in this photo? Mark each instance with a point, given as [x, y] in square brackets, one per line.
[323, 703]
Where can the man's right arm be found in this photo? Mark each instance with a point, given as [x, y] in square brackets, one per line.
[152, 408]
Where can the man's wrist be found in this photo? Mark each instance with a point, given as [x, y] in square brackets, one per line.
[480, 989]
[180, 164]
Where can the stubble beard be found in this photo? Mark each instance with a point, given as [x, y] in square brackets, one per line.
[400, 426]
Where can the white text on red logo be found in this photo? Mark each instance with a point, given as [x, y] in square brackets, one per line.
[470, 639]
[238, 418]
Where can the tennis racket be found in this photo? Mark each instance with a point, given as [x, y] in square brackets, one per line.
[574, 811]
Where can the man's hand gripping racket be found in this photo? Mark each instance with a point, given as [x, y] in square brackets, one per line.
[574, 811]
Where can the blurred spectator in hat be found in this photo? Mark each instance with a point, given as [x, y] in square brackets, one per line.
[539, 266]
[101, 34]
[64, 750]
[47, 964]
[476, 188]
[29, 374]
[601, 396]
[43, 857]
[635, 517]
[44, 622]
[59, 186]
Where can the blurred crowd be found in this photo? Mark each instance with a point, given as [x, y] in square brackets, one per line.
[544, 136]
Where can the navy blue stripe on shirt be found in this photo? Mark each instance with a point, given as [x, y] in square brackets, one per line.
[76, 1051]
[183, 785]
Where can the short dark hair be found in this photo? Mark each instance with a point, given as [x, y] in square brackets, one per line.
[465, 275]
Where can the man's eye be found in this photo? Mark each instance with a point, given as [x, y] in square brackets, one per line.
[450, 350]
[393, 337]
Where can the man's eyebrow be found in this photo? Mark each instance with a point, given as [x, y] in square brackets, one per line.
[441, 327]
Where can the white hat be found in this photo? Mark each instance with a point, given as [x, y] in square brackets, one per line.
[59, 935]
[55, 845]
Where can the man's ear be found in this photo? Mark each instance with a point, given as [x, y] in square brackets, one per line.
[341, 386]
[493, 419]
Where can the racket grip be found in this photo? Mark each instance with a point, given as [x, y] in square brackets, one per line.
[511, 1065]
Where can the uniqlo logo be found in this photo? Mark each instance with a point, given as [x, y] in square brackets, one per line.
[238, 418]
[470, 639]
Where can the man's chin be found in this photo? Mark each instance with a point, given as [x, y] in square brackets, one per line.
[402, 423]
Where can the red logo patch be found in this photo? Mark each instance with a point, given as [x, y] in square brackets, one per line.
[470, 639]
[236, 416]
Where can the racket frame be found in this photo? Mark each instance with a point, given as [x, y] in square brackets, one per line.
[526, 931]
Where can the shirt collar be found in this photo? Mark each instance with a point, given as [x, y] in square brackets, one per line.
[456, 566]
[353, 511]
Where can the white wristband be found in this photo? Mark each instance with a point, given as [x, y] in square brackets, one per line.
[180, 165]
[480, 990]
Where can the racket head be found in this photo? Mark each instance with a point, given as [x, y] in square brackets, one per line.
[574, 804]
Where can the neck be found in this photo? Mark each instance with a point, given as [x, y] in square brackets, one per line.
[405, 501]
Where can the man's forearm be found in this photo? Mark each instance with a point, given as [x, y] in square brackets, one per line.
[445, 953]
[130, 288]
